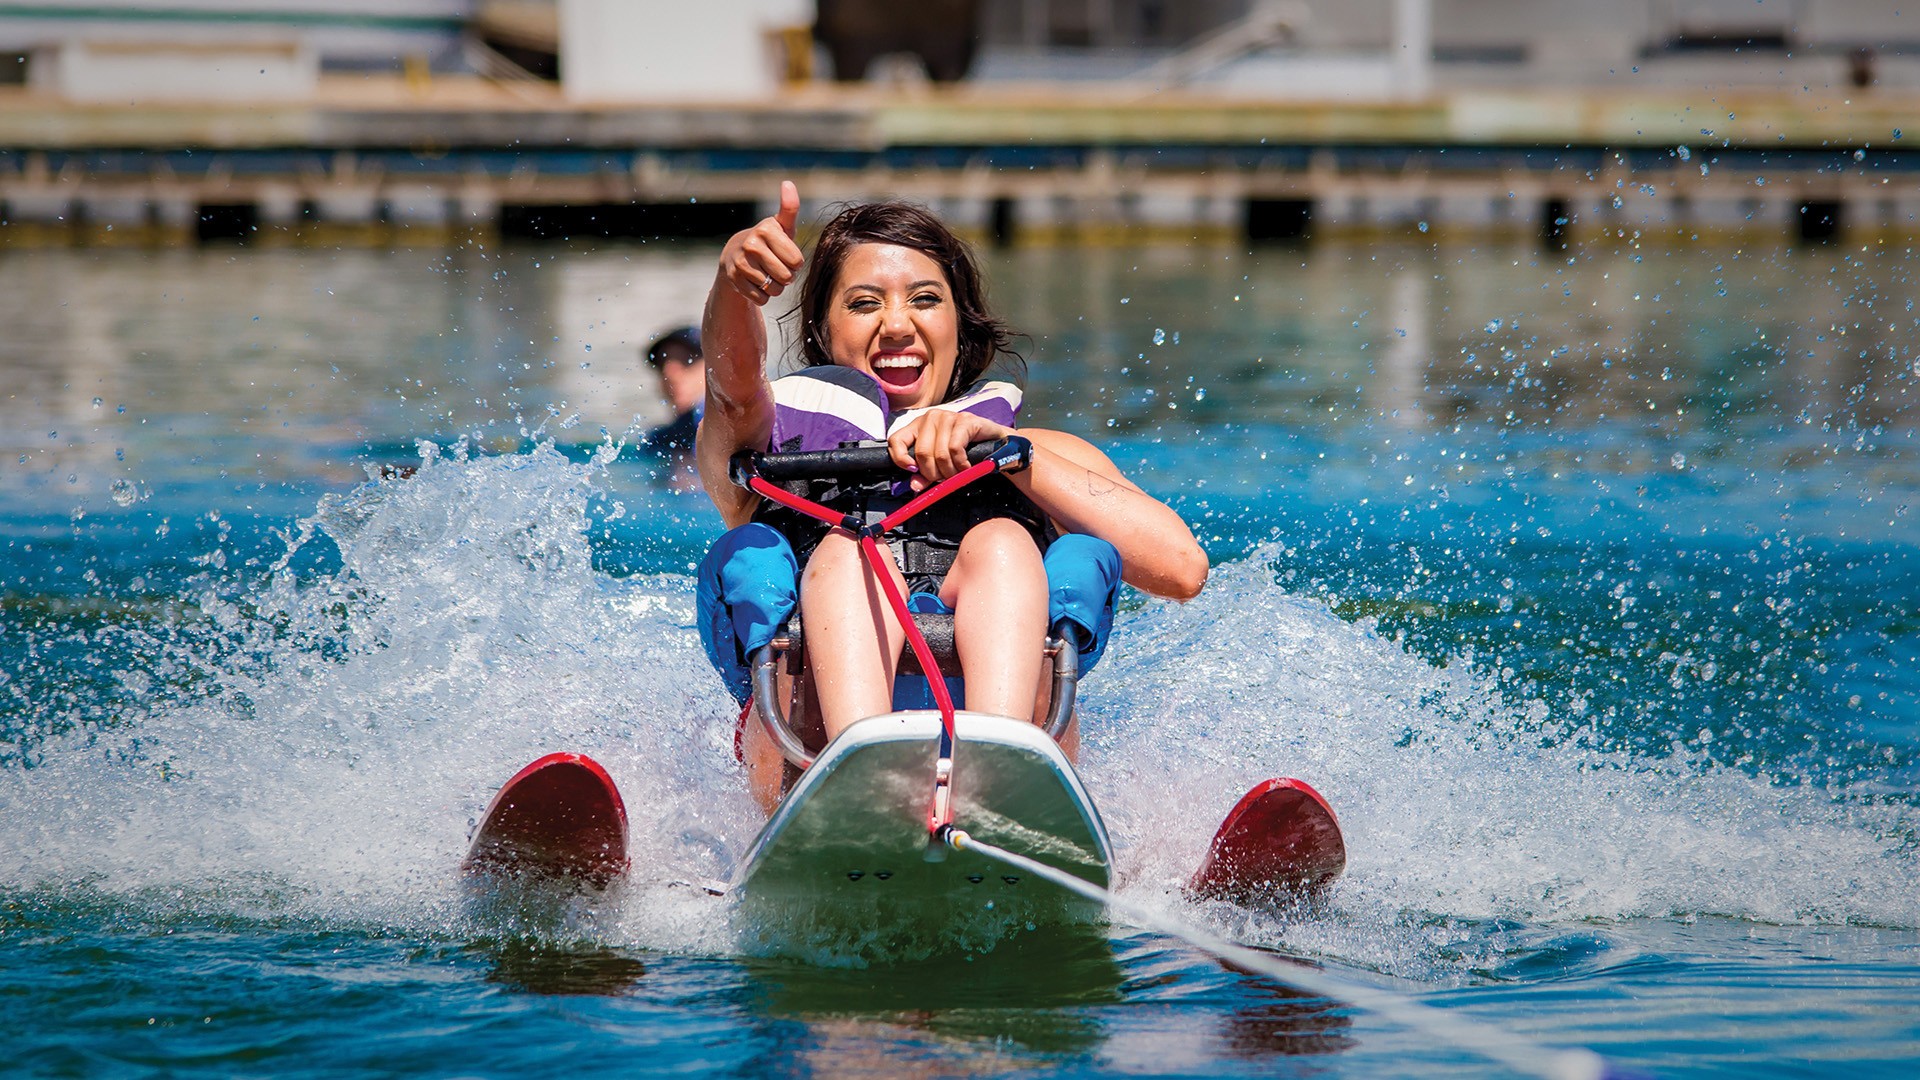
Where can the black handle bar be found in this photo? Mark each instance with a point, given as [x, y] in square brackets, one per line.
[1009, 454]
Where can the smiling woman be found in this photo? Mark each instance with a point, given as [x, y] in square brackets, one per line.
[893, 295]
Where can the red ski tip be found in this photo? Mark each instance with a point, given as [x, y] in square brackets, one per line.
[561, 816]
[1280, 843]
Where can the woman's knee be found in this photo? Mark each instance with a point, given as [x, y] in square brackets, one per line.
[1000, 543]
[836, 559]
[998, 563]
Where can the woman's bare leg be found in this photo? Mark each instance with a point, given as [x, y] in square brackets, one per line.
[998, 591]
[764, 763]
[853, 637]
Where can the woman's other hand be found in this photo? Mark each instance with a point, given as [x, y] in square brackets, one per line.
[759, 262]
[933, 445]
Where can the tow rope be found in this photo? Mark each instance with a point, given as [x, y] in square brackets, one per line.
[1517, 1052]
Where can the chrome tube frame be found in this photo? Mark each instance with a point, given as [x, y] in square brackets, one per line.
[1064, 646]
[766, 702]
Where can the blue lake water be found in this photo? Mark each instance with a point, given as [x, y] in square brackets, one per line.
[1583, 584]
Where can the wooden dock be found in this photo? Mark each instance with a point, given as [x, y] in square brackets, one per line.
[378, 158]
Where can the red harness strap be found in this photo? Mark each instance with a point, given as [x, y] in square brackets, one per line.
[940, 811]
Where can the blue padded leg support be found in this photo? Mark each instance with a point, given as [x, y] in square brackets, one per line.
[1083, 585]
[746, 587]
[749, 582]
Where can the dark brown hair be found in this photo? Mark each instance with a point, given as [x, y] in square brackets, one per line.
[983, 337]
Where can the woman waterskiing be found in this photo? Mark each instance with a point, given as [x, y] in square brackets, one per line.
[894, 295]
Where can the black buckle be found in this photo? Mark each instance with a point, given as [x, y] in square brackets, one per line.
[742, 467]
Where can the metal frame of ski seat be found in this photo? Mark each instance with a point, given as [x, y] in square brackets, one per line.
[931, 648]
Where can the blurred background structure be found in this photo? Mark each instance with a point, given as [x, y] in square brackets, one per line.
[160, 121]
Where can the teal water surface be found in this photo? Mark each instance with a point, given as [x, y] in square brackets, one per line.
[1583, 584]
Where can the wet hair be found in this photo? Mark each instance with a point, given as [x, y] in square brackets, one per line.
[984, 339]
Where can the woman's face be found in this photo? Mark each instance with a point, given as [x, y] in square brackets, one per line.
[891, 314]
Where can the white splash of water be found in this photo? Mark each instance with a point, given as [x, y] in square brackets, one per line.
[1454, 802]
[324, 745]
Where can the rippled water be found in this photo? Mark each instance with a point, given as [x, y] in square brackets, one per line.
[1583, 584]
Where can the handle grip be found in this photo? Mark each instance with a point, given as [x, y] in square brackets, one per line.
[1009, 454]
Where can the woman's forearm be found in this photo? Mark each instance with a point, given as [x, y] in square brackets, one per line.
[1158, 553]
[739, 411]
[734, 339]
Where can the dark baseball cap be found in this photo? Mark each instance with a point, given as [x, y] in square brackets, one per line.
[687, 337]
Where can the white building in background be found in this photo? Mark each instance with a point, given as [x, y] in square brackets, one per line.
[702, 50]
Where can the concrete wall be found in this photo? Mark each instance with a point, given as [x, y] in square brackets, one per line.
[702, 50]
[101, 71]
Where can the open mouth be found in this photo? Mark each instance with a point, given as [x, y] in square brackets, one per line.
[898, 372]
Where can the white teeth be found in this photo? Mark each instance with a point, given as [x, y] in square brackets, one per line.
[897, 361]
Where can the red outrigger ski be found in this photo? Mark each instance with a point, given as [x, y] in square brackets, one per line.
[559, 817]
[1280, 842]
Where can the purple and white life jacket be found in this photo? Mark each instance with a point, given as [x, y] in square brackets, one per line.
[825, 407]
[821, 408]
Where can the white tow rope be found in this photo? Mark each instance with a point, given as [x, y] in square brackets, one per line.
[1518, 1053]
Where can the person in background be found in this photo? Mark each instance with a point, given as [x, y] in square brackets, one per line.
[676, 357]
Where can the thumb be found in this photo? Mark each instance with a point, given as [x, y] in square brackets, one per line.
[789, 216]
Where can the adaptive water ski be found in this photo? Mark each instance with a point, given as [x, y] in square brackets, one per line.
[847, 859]
[859, 852]
[560, 818]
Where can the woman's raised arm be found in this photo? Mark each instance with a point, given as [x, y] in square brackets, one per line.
[757, 265]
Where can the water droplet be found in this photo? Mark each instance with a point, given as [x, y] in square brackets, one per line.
[124, 493]
[1686, 153]
[1678, 461]
[1423, 226]
[97, 403]
[1493, 326]
[1159, 336]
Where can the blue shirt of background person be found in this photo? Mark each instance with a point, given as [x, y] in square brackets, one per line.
[675, 356]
